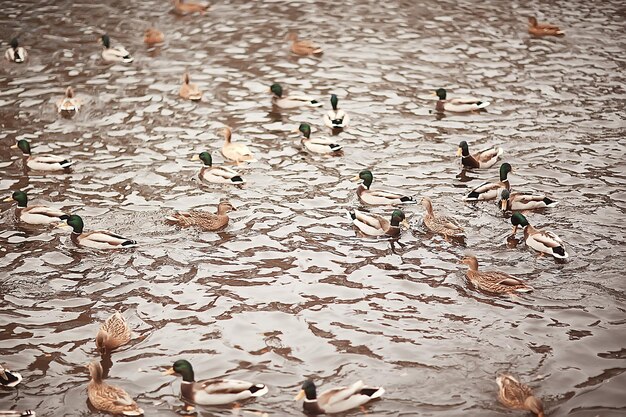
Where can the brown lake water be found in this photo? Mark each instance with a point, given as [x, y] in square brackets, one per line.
[288, 291]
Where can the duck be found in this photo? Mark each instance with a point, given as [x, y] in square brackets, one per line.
[303, 47]
[9, 378]
[16, 53]
[492, 281]
[99, 239]
[152, 36]
[113, 333]
[42, 162]
[216, 175]
[440, 224]
[203, 219]
[336, 400]
[69, 103]
[489, 190]
[116, 54]
[543, 241]
[109, 398]
[189, 7]
[514, 394]
[283, 101]
[483, 159]
[237, 152]
[457, 105]
[189, 91]
[523, 201]
[378, 197]
[213, 391]
[336, 118]
[543, 29]
[319, 146]
[373, 225]
[35, 214]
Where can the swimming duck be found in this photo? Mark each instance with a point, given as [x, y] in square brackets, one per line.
[69, 103]
[116, 54]
[100, 239]
[152, 35]
[189, 7]
[41, 162]
[9, 378]
[489, 190]
[336, 400]
[35, 214]
[16, 53]
[216, 175]
[107, 397]
[237, 152]
[523, 201]
[457, 105]
[374, 225]
[189, 91]
[320, 146]
[303, 47]
[213, 391]
[290, 102]
[336, 118]
[492, 281]
[543, 29]
[516, 395]
[540, 240]
[440, 224]
[113, 333]
[378, 197]
[483, 159]
[203, 219]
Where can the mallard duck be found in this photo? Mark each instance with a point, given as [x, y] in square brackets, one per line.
[378, 197]
[483, 159]
[41, 162]
[116, 54]
[336, 400]
[336, 118]
[540, 240]
[489, 190]
[189, 91]
[100, 239]
[213, 391]
[16, 53]
[523, 201]
[113, 333]
[69, 103]
[152, 35]
[237, 152]
[290, 101]
[321, 146]
[203, 219]
[516, 395]
[440, 224]
[217, 175]
[457, 105]
[303, 47]
[15, 413]
[374, 225]
[35, 214]
[189, 7]
[9, 378]
[492, 281]
[107, 397]
[543, 29]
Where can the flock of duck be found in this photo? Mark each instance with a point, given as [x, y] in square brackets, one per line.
[115, 331]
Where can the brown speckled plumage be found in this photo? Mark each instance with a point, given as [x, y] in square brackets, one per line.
[203, 219]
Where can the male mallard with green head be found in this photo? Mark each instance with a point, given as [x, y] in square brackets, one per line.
[483, 159]
[336, 400]
[543, 241]
[114, 54]
[374, 225]
[15, 53]
[317, 145]
[216, 175]
[489, 190]
[378, 197]
[336, 118]
[457, 105]
[41, 162]
[509, 201]
[281, 100]
[100, 239]
[38, 214]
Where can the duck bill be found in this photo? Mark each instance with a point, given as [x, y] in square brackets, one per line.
[459, 152]
[62, 225]
[8, 199]
[14, 146]
[355, 179]
[514, 230]
[196, 157]
[433, 93]
[405, 223]
[170, 371]
[503, 204]
[299, 396]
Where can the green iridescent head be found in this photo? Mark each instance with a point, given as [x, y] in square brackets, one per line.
[277, 90]
[518, 219]
[76, 222]
[441, 93]
[305, 129]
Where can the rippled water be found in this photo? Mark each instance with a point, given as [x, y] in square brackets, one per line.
[288, 291]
